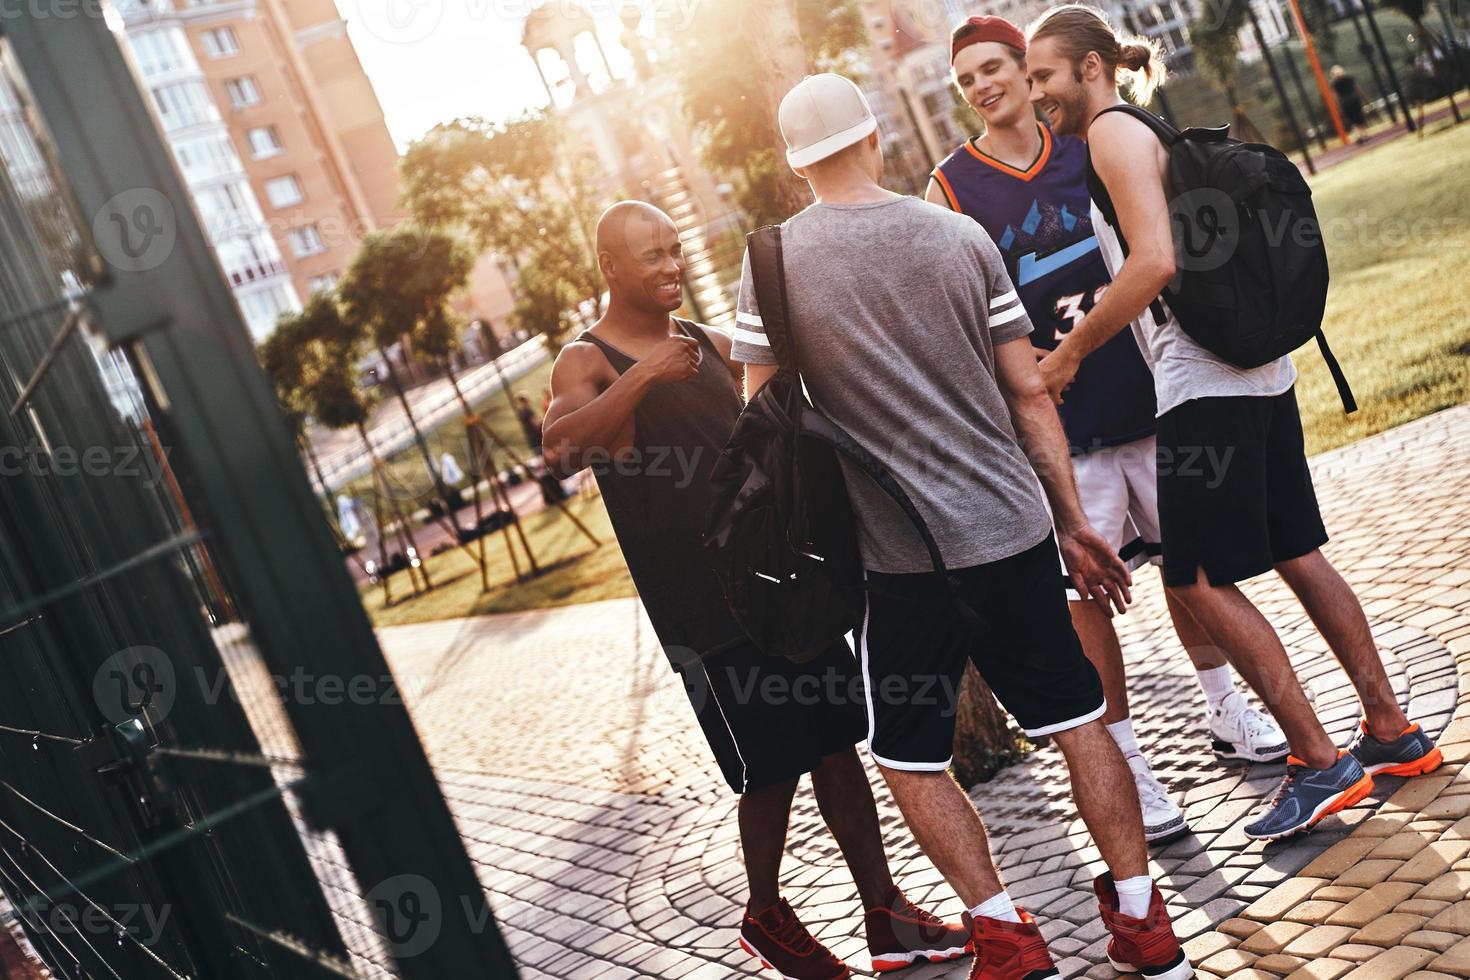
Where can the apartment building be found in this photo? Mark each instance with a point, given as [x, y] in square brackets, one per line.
[155, 43]
[307, 123]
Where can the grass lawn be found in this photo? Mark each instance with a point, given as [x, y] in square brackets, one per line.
[1397, 223]
[573, 571]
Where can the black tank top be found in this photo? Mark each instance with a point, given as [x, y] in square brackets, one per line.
[657, 498]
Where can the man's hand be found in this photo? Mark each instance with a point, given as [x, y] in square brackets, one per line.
[1097, 571]
[676, 358]
[1057, 372]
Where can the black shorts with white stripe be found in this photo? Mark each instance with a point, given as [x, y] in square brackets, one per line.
[914, 644]
[768, 720]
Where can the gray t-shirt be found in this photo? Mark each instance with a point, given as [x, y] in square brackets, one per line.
[896, 308]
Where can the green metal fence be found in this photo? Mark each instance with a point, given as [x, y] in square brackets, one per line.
[204, 769]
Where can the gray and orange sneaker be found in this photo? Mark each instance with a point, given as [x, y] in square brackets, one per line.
[777, 938]
[1413, 753]
[1308, 795]
[900, 934]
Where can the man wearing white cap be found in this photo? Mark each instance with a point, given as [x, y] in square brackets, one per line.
[913, 340]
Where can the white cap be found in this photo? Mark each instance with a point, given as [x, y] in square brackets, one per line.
[822, 115]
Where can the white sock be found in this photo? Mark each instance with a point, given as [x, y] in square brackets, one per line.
[1218, 683]
[997, 907]
[1134, 895]
[1122, 732]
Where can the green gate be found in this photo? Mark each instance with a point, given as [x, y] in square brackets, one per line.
[204, 768]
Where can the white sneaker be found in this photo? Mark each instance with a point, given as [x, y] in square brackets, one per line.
[1162, 819]
[1238, 731]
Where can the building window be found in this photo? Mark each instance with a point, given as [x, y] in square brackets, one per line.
[264, 142]
[263, 307]
[182, 104]
[283, 191]
[220, 42]
[306, 240]
[242, 92]
[323, 283]
[155, 52]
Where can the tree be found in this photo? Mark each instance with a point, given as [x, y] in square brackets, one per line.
[1215, 35]
[278, 356]
[765, 46]
[309, 358]
[984, 741]
[1429, 48]
[517, 189]
[313, 356]
[400, 281]
[544, 303]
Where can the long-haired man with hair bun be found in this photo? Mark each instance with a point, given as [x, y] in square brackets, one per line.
[1028, 187]
[1255, 510]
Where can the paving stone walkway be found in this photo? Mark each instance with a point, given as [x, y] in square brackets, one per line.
[608, 842]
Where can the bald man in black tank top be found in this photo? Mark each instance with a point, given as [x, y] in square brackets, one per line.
[647, 401]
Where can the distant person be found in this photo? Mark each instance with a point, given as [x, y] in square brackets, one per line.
[449, 469]
[530, 424]
[1028, 188]
[1221, 525]
[1350, 102]
[648, 402]
[347, 521]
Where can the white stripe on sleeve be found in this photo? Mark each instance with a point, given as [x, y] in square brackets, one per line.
[1009, 315]
[750, 320]
[750, 337]
[1003, 300]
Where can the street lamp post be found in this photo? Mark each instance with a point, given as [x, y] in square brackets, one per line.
[1301, 91]
[1296, 131]
[1311, 48]
[1393, 76]
[1365, 48]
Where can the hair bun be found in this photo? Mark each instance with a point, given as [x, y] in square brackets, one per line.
[1135, 56]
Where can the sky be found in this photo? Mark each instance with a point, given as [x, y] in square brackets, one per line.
[431, 61]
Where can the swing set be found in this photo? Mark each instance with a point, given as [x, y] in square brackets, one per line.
[484, 445]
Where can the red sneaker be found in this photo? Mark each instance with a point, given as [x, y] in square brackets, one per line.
[901, 934]
[1009, 950]
[777, 938]
[1146, 946]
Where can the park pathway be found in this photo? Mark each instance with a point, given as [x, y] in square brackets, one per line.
[590, 804]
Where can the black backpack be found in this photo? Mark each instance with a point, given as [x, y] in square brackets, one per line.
[1252, 273]
[780, 533]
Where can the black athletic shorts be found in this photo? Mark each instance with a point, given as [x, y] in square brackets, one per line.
[914, 644]
[768, 720]
[1235, 492]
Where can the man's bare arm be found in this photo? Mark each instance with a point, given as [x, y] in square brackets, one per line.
[585, 415]
[934, 194]
[1125, 153]
[756, 376]
[725, 346]
[1039, 429]
[1096, 570]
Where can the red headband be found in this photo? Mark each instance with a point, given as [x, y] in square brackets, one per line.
[996, 29]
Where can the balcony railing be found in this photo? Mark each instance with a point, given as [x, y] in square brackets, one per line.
[256, 271]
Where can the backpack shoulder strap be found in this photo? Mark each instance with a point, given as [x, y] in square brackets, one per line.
[1166, 133]
[1344, 390]
[768, 268]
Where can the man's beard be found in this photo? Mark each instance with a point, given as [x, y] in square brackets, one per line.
[1072, 114]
